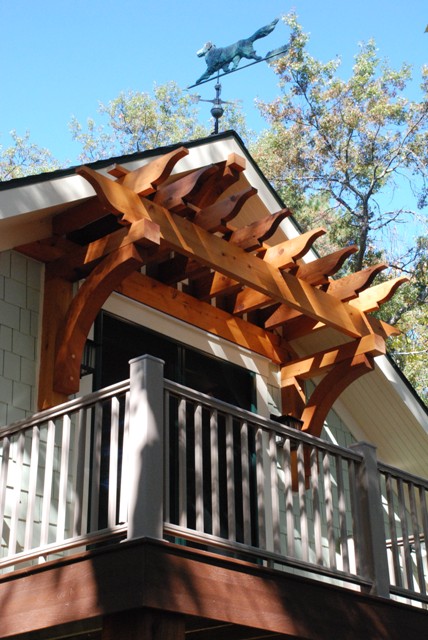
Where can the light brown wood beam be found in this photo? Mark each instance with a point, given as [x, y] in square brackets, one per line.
[174, 196]
[318, 363]
[57, 297]
[351, 286]
[215, 217]
[78, 216]
[348, 287]
[180, 268]
[202, 315]
[82, 312]
[185, 237]
[149, 177]
[317, 271]
[371, 299]
[249, 300]
[293, 397]
[382, 328]
[79, 261]
[47, 250]
[285, 254]
[281, 256]
[208, 191]
[214, 285]
[252, 236]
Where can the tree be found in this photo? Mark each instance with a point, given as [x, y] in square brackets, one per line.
[335, 148]
[351, 140]
[24, 158]
[137, 121]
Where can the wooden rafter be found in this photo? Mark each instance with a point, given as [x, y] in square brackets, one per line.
[183, 236]
[232, 283]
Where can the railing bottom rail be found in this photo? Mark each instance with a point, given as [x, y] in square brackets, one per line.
[257, 555]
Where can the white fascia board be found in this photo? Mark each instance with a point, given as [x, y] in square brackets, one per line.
[43, 195]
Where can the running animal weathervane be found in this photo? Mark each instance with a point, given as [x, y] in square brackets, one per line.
[219, 58]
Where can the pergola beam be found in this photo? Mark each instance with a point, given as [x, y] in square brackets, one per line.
[185, 237]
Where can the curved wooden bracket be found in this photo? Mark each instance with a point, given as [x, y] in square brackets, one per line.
[82, 312]
[330, 388]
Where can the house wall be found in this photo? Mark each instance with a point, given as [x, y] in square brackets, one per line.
[20, 300]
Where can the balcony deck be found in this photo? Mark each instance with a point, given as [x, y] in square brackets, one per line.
[210, 491]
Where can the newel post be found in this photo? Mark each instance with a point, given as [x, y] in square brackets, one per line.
[372, 547]
[145, 507]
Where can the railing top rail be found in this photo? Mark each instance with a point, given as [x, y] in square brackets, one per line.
[264, 423]
[73, 405]
[402, 475]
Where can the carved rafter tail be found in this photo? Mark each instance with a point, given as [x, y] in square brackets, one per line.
[180, 225]
[371, 299]
[148, 178]
[285, 254]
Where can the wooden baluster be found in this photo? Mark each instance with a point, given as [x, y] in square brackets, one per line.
[407, 560]
[316, 506]
[260, 474]
[199, 471]
[230, 471]
[301, 489]
[3, 480]
[417, 538]
[16, 500]
[343, 532]
[182, 463]
[124, 479]
[215, 484]
[328, 494]
[274, 492]
[245, 465]
[393, 530]
[32, 487]
[289, 506]
[63, 478]
[113, 463]
[47, 486]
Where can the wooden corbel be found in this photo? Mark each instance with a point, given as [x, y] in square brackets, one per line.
[330, 388]
[82, 312]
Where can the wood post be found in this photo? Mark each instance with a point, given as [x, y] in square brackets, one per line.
[372, 545]
[146, 491]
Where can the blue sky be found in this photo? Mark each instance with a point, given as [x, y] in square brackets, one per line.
[61, 58]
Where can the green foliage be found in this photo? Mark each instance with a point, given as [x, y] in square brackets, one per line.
[24, 158]
[136, 121]
[349, 140]
[334, 149]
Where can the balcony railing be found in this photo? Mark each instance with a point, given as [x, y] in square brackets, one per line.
[148, 457]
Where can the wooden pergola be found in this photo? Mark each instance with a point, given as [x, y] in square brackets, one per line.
[173, 242]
